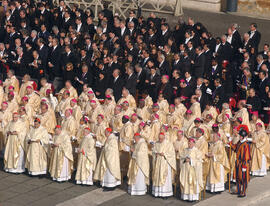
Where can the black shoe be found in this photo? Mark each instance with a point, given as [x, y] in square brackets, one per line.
[241, 195]
[164, 198]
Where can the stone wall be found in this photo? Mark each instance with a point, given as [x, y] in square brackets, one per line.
[260, 8]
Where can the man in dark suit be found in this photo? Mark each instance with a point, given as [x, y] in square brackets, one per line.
[199, 63]
[131, 81]
[54, 69]
[218, 95]
[68, 57]
[19, 63]
[84, 77]
[200, 85]
[165, 34]
[202, 98]
[225, 52]
[141, 77]
[42, 50]
[146, 58]
[176, 65]
[151, 38]
[264, 81]
[132, 17]
[254, 35]
[166, 89]
[164, 66]
[208, 59]
[67, 21]
[117, 84]
[152, 83]
[80, 28]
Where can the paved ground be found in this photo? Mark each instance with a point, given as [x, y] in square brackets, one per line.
[20, 190]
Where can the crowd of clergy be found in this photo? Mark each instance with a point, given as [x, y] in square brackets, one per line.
[156, 147]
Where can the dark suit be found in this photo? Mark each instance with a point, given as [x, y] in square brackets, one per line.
[54, 58]
[131, 82]
[167, 91]
[218, 97]
[198, 67]
[141, 81]
[165, 69]
[203, 101]
[153, 86]
[117, 87]
[255, 39]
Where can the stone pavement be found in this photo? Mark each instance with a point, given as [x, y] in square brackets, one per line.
[258, 193]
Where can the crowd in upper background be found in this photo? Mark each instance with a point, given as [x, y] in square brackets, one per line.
[62, 43]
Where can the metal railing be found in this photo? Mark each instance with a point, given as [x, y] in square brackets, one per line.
[121, 7]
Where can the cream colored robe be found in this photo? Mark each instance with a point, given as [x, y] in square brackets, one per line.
[109, 159]
[160, 168]
[144, 113]
[73, 93]
[83, 99]
[260, 147]
[220, 158]
[108, 111]
[243, 113]
[130, 99]
[48, 121]
[180, 110]
[155, 130]
[13, 143]
[163, 111]
[34, 100]
[174, 120]
[80, 132]
[99, 131]
[1, 95]
[58, 154]
[253, 125]
[70, 125]
[13, 81]
[13, 106]
[221, 115]
[187, 124]
[148, 102]
[42, 91]
[30, 113]
[145, 133]
[139, 160]
[5, 117]
[180, 146]
[63, 105]
[211, 111]
[128, 112]
[126, 136]
[196, 110]
[86, 161]
[135, 126]
[191, 178]
[88, 109]
[36, 158]
[116, 122]
[94, 114]
[77, 113]
[22, 92]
